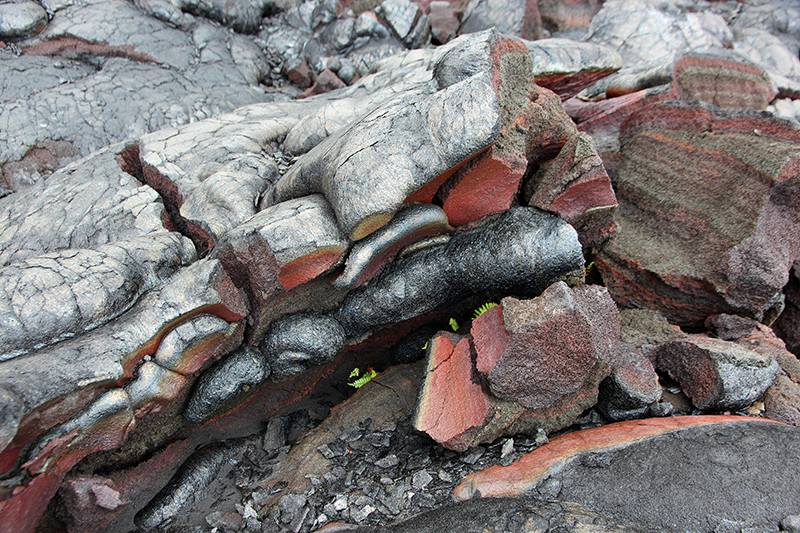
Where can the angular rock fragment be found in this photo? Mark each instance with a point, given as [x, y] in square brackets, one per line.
[705, 456]
[371, 253]
[684, 169]
[279, 249]
[224, 381]
[485, 185]
[717, 375]
[513, 17]
[520, 252]
[576, 186]
[561, 15]
[55, 296]
[404, 144]
[444, 21]
[452, 406]
[631, 387]
[542, 360]
[407, 20]
[326, 82]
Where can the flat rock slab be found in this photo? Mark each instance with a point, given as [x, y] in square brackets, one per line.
[702, 471]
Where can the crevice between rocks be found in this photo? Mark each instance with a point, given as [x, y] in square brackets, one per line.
[130, 162]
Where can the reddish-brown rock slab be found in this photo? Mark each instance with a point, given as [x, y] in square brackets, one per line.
[576, 186]
[486, 184]
[716, 374]
[685, 168]
[548, 126]
[326, 82]
[700, 469]
[567, 67]
[729, 82]
[452, 405]
[20, 512]
[602, 120]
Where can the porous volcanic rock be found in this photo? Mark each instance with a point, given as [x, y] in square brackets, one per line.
[684, 169]
[717, 375]
[540, 362]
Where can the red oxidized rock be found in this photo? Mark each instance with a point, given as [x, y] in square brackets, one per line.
[452, 405]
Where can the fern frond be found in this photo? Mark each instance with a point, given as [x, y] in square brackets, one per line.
[482, 309]
[363, 380]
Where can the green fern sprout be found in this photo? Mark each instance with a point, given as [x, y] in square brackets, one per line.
[360, 381]
[454, 324]
[482, 309]
[589, 267]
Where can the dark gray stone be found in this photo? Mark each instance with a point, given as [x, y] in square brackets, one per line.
[224, 381]
[188, 484]
[295, 342]
[520, 252]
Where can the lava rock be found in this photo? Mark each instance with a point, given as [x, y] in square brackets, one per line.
[224, 381]
[452, 406]
[743, 262]
[295, 342]
[725, 80]
[520, 252]
[370, 254]
[21, 19]
[702, 454]
[631, 388]
[716, 374]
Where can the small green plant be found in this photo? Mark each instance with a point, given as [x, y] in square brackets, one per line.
[454, 324]
[358, 380]
[482, 309]
[589, 267]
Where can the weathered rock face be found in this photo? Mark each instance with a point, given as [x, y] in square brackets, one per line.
[178, 76]
[743, 262]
